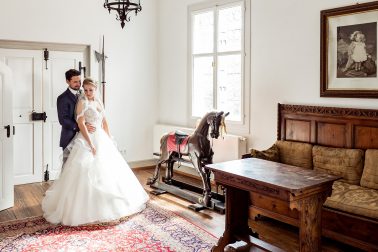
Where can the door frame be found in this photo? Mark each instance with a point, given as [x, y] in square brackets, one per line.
[65, 47]
[6, 166]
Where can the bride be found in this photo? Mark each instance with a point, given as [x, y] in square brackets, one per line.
[96, 184]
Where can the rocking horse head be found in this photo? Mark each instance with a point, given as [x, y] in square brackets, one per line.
[212, 121]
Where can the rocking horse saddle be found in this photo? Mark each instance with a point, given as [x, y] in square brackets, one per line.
[180, 136]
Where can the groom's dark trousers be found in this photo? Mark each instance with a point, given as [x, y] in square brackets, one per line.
[66, 104]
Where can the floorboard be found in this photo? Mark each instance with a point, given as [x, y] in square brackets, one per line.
[28, 199]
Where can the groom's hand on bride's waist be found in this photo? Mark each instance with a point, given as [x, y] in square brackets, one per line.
[90, 127]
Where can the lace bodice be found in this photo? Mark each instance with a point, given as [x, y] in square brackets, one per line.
[93, 111]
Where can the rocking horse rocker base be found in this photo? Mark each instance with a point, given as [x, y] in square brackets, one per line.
[190, 193]
[187, 191]
[197, 147]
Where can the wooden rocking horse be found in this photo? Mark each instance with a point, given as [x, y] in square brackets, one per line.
[197, 149]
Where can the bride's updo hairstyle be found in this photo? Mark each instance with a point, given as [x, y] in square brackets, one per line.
[89, 81]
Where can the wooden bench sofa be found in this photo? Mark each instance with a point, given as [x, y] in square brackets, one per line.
[341, 141]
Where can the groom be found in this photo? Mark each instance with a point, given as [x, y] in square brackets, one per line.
[66, 104]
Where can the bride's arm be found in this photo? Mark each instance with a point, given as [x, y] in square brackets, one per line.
[81, 123]
[84, 132]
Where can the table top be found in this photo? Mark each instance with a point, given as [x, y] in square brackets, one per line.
[288, 177]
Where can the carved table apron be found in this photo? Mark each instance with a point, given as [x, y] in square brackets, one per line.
[302, 189]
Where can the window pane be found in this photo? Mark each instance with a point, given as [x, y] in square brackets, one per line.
[203, 32]
[202, 93]
[229, 86]
[230, 27]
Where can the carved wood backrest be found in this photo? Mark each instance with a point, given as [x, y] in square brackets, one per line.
[328, 126]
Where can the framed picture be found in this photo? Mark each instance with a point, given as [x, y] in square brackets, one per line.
[348, 61]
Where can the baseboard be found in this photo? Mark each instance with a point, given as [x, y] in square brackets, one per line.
[151, 163]
[142, 164]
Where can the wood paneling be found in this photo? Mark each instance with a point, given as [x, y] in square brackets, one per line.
[331, 134]
[334, 224]
[298, 130]
[366, 137]
[328, 126]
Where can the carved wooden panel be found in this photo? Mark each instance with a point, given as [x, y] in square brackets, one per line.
[328, 126]
[366, 137]
[298, 130]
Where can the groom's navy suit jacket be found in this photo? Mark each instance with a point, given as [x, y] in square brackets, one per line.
[66, 104]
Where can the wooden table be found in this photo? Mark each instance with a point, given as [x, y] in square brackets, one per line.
[302, 189]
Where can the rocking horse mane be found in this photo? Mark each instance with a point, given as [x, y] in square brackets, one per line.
[203, 122]
[223, 127]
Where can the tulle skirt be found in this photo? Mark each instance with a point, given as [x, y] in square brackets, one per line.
[93, 188]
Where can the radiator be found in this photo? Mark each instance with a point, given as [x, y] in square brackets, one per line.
[230, 147]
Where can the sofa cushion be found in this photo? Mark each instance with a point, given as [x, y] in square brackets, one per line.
[347, 163]
[353, 199]
[295, 153]
[369, 177]
[270, 154]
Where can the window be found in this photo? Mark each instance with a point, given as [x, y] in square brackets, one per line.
[219, 59]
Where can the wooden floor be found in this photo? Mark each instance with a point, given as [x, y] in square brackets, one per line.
[28, 204]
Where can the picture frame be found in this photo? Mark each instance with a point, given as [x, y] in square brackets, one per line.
[348, 51]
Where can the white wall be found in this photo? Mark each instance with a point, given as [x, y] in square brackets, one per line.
[285, 62]
[131, 100]
[147, 64]
[172, 58]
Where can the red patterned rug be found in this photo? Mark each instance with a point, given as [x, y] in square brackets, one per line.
[154, 229]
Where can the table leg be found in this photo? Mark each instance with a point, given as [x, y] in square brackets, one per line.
[237, 208]
[310, 223]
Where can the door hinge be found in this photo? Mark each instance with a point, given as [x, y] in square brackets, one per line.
[47, 173]
[82, 68]
[46, 56]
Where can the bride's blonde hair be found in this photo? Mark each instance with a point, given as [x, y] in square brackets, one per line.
[89, 81]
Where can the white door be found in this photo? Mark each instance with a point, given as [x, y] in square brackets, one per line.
[6, 138]
[35, 89]
[54, 83]
[26, 66]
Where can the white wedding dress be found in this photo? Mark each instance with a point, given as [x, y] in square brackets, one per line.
[93, 188]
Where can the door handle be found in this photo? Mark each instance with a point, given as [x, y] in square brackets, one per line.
[8, 130]
[39, 116]
[14, 130]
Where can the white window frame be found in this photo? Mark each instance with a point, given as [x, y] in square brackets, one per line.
[233, 127]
